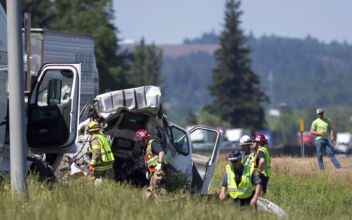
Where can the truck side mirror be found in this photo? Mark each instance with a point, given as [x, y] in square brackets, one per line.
[54, 91]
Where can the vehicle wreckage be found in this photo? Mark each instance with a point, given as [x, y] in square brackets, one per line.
[122, 113]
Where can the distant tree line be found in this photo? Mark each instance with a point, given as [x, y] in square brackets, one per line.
[298, 72]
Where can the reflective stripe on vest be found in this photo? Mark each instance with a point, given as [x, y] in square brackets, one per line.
[106, 159]
[267, 169]
[247, 159]
[104, 166]
[151, 159]
[245, 188]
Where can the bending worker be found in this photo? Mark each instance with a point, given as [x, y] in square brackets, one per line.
[261, 160]
[154, 159]
[102, 159]
[242, 184]
[246, 143]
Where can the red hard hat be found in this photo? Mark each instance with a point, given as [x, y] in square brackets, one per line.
[142, 134]
[260, 138]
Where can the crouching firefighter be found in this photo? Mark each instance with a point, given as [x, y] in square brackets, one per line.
[154, 160]
[240, 181]
[102, 159]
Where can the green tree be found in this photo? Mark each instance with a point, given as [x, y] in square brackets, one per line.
[235, 86]
[95, 17]
[208, 119]
[191, 118]
[42, 12]
[146, 66]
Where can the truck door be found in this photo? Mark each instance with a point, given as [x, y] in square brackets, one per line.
[53, 107]
[180, 154]
[205, 144]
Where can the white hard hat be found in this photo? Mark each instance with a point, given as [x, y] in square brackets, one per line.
[245, 140]
[320, 110]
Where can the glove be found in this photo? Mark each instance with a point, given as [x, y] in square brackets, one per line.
[91, 168]
[158, 167]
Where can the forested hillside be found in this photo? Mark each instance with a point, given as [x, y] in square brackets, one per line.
[299, 72]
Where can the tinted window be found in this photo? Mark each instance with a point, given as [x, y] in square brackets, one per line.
[180, 140]
[203, 141]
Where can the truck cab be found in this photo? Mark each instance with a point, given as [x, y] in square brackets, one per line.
[52, 113]
[53, 103]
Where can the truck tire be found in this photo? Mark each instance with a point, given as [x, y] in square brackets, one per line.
[43, 170]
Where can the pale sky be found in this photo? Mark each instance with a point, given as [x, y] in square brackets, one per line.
[171, 21]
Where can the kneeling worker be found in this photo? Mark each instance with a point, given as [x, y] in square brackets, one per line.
[154, 159]
[102, 159]
[242, 184]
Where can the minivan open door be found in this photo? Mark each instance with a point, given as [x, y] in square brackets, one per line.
[205, 152]
[53, 107]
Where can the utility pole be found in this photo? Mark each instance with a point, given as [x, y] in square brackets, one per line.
[16, 99]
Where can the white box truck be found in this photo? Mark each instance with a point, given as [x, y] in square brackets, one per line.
[54, 99]
[58, 47]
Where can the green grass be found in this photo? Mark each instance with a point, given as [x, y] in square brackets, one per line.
[315, 197]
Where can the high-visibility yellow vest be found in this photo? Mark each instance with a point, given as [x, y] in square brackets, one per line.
[106, 159]
[247, 159]
[151, 159]
[267, 168]
[245, 188]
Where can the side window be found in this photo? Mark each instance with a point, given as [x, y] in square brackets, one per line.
[203, 141]
[180, 140]
[55, 87]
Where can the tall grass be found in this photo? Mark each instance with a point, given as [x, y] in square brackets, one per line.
[297, 186]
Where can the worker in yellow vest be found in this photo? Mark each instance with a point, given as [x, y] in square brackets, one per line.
[243, 185]
[246, 143]
[154, 159]
[261, 160]
[102, 159]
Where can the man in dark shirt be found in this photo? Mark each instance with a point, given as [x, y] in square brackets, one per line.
[241, 182]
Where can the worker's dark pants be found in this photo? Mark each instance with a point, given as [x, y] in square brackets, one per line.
[243, 202]
[265, 181]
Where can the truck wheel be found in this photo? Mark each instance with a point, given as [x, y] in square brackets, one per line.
[43, 170]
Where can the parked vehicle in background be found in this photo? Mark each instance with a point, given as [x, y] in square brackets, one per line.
[343, 143]
[308, 138]
[234, 135]
[344, 138]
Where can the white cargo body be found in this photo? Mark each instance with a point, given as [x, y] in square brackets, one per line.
[58, 47]
[344, 138]
[235, 134]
